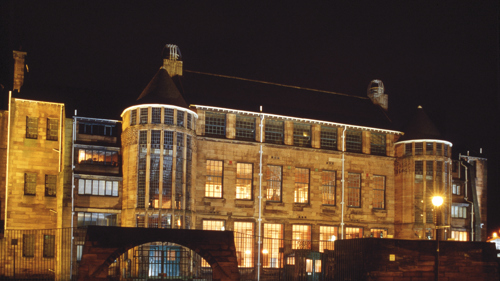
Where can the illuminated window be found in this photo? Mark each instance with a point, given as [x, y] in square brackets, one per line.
[29, 183]
[244, 181]
[301, 193]
[49, 244]
[31, 127]
[460, 235]
[456, 189]
[97, 187]
[180, 118]
[133, 117]
[52, 129]
[429, 148]
[317, 266]
[98, 157]
[156, 115]
[213, 184]
[328, 179]
[273, 176]
[190, 121]
[215, 124]
[50, 185]
[168, 146]
[28, 245]
[327, 237]
[273, 241]
[353, 141]
[309, 266]
[218, 225]
[245, 127]
[353, 232]
[419, 148]
[274, 131]
[458, 211]
[429, 181]
[378, 233]
[143, 116]
[354, 190]
[301, 236]
[408, 149]
[244, 243]
[328, 138]
[140, 221]
[168, 116]
[301, 134]
[379, 192]
[103, 219]
[419, 171]
[377, 144]
[439, 149]
[153, 220]
[98, 129]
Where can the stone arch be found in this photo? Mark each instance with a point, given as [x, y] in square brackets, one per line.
[103, 244]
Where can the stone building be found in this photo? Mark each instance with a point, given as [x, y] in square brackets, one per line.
[294, 177]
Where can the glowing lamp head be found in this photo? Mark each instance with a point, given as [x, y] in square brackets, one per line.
[495, 235]
[437, 201]
[264, 251]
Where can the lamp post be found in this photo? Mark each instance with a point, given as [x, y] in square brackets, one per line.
[437, 201]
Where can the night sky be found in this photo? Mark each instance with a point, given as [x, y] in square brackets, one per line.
[97, 56]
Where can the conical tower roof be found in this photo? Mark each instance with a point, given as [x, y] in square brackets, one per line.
[161, 90]
[420, 127]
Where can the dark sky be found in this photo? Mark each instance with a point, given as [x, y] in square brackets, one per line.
[443, 55]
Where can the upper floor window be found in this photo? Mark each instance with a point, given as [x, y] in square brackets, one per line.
[50, 185]
[274, 131]
[328, 179]
[98, 157]
[31, 127]
[301, 193]
[446, 150]
[190, 121]
[429, 148]
[245, 127]
[456, 189]
[408, 149]
[353, 141]
[88, 128]
[328, 137]
[156, 115]
[180, 118]
[213, 184]
[378, 192]
[354, 190]
[419, 148]
[29, 183]
[244, 181]
[52, 129]
[419, 171]
[103, 219]
[458, 211]
[215, 124]
[302, 134]
[377, 144]
[168, 116]
[97, 187]
[439, 149]
[273, 176]
[144, 115]
[133, 117]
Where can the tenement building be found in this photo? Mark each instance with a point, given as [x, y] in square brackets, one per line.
[285, 173]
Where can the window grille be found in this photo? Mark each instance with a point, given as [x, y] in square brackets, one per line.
[140, 221]
[408, 149]
[379, 192]
[103, 219]
[133, 117]
[156, 115]
[31, 127]
[329, 138]
[141, 169]
[429, 148]
[52, 129]
[429, 182]
[215, 124]
[218, 225]
[50, 185]
[168, 116]
[301, 236]
[301, 194]
[180, 118]
[378, 233]
[327, 237]
[353, 232]
[419, 171]
[378, 144]
[179, 172]
[29, 183]
[244, 242]
[439, 149]
[28, 245]
[419, 148]
[245, 127]
[168, 146]
[273, 242]
[353, 141]
[274, 177]
[152, 220]
[213, 185]
[144, 115]
[244, 181]
[154, 179]
[328, 181]
[302, 134]
[49, 246]
[354, 190]
[274, 132]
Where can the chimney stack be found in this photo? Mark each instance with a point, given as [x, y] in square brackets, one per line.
[172, 60]
[18, 69]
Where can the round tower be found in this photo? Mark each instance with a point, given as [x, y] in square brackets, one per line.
[158, 142]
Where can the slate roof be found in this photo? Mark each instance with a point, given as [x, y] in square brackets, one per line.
[420, 127]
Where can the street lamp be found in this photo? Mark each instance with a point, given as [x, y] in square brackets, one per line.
[437, 201]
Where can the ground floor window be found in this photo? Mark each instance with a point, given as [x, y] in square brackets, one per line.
[378, 233]
[327, 236]
[353, 232]
[244, 237]
[301, 235]
[459, 235]
[273, 241]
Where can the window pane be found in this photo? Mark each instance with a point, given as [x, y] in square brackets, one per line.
[109, 187]
[144, 116]
[31, 127]
[379, 192]
[353, 141]
[244, 181]
[273, 241]
[156, 115]
[168, 116]
[244, 243]
[274, 132]
[30, 183]
[327, 237]
[328, 179]
[49, 246]
[28, 245]
[301, 134]
[215, 124]
[354, 190]
[329, 138]
[273, 176]
[378, 144]
[245, 127]
[301, 193]
[353, 232]
[81, 186]
[115, 188]
[213, 185]
[52, 129]
[301, 236]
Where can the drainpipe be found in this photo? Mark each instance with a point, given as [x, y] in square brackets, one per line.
[466, 200]
[73, 138]
[343, 183]
[260, 195]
